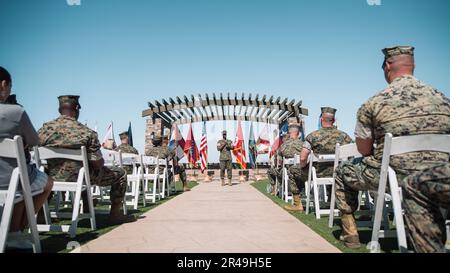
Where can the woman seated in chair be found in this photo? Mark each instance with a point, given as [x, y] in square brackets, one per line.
[15, 121]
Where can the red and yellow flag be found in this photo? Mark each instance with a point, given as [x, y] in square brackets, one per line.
[239, 148]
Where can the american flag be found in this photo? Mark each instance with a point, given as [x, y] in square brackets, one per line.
[204, 150]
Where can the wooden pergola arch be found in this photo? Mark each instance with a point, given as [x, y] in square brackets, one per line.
[225, 107]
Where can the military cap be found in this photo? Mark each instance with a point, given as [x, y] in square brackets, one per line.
[224, 132]
[398, 50]
[123, 135]
[69, 99]
[293, 126]
[328, 110]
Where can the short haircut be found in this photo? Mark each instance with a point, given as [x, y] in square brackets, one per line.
[4, 75]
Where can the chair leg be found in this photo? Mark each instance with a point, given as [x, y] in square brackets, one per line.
[316, 199]
[398, 215]
[308, 196]
[91, 209]
[332, 205]
[75, 213]
[57, 200]
[136, 194]
[6, 215]
[143, 193]
[46, 211]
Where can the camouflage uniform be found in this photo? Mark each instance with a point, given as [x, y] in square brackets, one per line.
[423, 195]
[163, 152]
[289, 149]
[406, 107]
[66, 132]
[126, 148]
[323, 141]
[225, 160]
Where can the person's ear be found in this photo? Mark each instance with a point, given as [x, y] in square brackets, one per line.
[3, 85]
[388, 66]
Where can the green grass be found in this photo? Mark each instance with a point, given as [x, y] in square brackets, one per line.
[320, 226]
[54, 242]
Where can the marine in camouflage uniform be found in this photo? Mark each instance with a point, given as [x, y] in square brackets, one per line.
[163, 152]
[324, 140]
[224, 146]
[66, 132]
[274, 172]
[289, 149]
[406, 107]
[424, 193]
[124, 147]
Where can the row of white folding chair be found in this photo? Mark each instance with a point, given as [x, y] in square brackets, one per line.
[314, 182]
[83, 183]
[13, 149]
[285, 194]
[396, 146]
[142, 178]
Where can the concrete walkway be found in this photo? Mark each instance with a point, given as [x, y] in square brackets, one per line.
[217, 219]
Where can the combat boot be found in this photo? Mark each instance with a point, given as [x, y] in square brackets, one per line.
[223, 181]
[349, 234]
[229, 182]
[297, 204]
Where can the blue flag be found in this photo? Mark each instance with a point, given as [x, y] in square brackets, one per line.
[130, 135]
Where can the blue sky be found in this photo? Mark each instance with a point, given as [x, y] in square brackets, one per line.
[118, 54]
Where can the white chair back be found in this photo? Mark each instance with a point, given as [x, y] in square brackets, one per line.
[83, 183]
[13, 148]
[111, 158]
[314, 182]
[292, 161]
[396, 146]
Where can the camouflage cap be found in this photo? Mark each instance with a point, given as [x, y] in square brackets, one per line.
[328, 110]
[69, 99]
[398, 50]
[123, 135]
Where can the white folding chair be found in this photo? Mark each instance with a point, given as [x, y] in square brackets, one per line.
[285, 194]
[13, 148]
[346, 153]
[342, 153]
[111, 159]
[158, 188]
[315, 182]
[135, 180]
[83, 183]
[396, 146]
